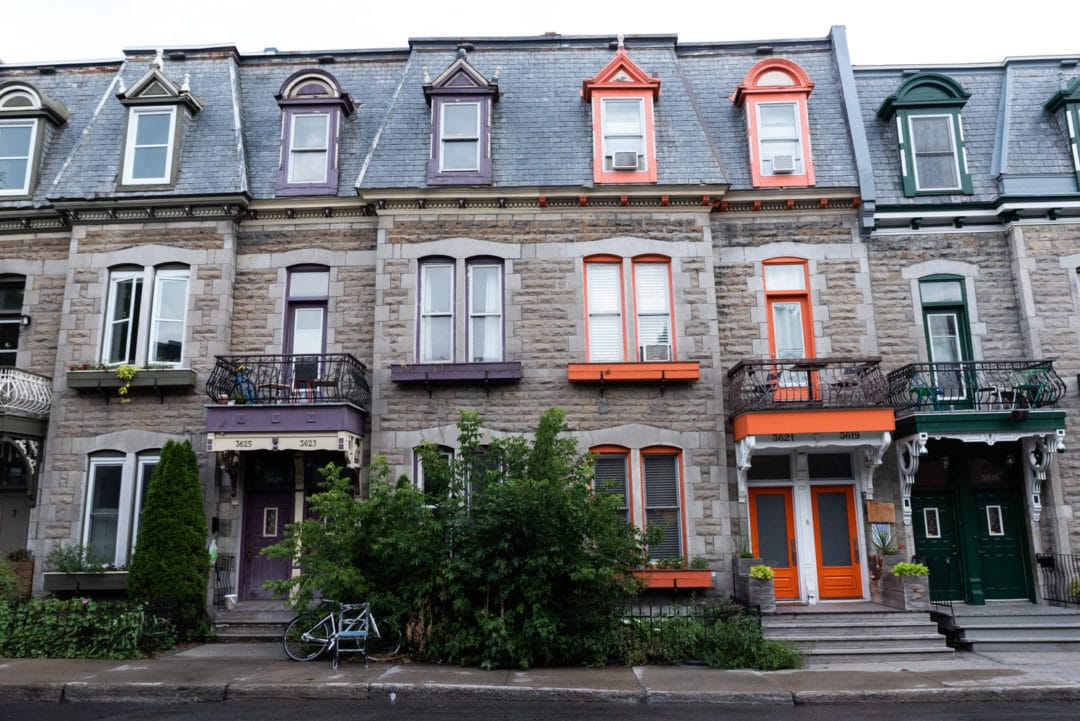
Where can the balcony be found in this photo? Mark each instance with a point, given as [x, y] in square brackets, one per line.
[806, 384]
[24, 393]
[285, 380]
[1013, 386]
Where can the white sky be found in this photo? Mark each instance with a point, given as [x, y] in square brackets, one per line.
[908, 32]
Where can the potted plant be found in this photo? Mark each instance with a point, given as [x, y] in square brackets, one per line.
[904, 586]
[22, 562]
[762, 592]
[674, 573]
[75, 568]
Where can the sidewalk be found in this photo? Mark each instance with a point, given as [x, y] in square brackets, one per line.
[219, 672]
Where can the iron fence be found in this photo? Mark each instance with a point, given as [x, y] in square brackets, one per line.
[944, 578]
[1008, 385]
[1059, 575]
[769, 385]
[289, 379]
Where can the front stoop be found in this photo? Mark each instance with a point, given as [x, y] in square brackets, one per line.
[252, 621]
[860, 633]
[1012, 626]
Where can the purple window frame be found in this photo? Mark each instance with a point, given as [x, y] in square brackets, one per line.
[444, 96]
[293, 108]
[491, 261]
[292, 303]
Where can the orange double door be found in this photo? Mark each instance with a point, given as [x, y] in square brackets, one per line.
[835, 539]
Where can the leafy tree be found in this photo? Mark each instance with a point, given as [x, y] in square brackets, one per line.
[171, 559]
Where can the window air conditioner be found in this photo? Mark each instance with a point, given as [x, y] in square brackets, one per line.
[625, 160]
[657, 352]
[783, 164]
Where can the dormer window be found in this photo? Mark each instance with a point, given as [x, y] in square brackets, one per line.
[461, 101]
[1069, 101]
[313, 105]
[775, 93]
[929, 129]
[157, 109]
[622, 97]
[22, 109]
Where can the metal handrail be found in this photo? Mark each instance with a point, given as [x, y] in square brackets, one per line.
[1005, 385]
[290, 379]
[25, 392]
[1060, 576]
[798, 383]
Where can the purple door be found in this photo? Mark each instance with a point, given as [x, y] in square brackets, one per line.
[265, 515]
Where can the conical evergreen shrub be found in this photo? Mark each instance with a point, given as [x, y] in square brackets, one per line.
[171, 560]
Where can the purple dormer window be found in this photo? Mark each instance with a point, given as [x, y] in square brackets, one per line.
[461, 102]
[313, 106]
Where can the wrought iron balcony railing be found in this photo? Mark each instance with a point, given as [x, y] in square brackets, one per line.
[1008, 385]
[797, 383]
[289, 380]
[25, 393]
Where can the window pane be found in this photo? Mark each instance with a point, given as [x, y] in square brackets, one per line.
[105, 510]
[935, 157]
[651, 280]
[149, 163]
[486, 297]
[610, 477]
[654, 330]
[632, 144]
[788, 330]
[777, 121]
[941, 291]
[124, 320]
[437, 338]
[308, 167]
[172, 298]
[486, 339]
[833, 529]
[11, 295]
[829, 465]
[9, 343]
[169, 344]
[437, 290]
[662, 502]
[944, 337]
[785, 277]
[936, 171]
[461, 120]
[12, 174]
[460, 155]
[622, 117]
[932, 135]
[307, 330]
[309, 131]
[314, 284]
[605, 338]
[771, 522]
[152, 128]
[603, 279]
[485, 307]
[15, 141]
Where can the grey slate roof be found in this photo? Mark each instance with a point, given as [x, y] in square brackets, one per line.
[370, 79]
[1038, 140]
[209, 152]
[714, 72]
[79, 88]
[541, 127]
[980, 121]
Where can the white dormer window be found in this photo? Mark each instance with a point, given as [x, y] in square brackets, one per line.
[148, 151]
[17, 139]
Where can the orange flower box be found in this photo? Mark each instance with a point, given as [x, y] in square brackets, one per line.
[676, 577]
[678, 371]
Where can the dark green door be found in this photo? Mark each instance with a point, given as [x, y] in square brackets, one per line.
[933, 519]
[999, 533]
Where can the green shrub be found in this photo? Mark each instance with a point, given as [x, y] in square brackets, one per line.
[75, 558]
[81, 628]
[1074, 589]
[171, 560]
[761, 572]
[910, 569]
[9, 584]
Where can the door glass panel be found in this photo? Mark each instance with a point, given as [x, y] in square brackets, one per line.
[995, 524]
[833, 524]
[931, 523]
[772, 527]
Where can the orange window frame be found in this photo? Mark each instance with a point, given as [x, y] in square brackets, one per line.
[648, 173]
[604, 260]
[657, 259]
[802, 297]
[760, 87]
[680, 489]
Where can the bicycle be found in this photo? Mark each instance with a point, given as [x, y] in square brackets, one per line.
[346, 630]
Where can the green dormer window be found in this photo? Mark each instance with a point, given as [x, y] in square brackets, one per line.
[929, 127]
[1068, 100]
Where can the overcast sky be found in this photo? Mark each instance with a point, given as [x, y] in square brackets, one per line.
[907, 32]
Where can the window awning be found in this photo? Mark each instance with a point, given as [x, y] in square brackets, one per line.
[236, 442]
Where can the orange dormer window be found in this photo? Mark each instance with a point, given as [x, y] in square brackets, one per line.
[622, 97]
[775, 93]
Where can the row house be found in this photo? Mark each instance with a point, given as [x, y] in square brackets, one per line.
[781, 298]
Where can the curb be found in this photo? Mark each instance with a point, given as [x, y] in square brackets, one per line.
[142, 692]
[485, 692]
[923, 695]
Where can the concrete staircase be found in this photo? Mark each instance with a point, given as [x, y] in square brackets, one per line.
[856, 633]
[252, 621]
[1012, 626]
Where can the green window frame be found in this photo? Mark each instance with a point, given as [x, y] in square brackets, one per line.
[1069, 101]
[947, 330]
[930, 135]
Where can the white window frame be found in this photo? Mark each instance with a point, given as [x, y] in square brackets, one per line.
[133, 468]
[653, 311]
[143, 320]
[424, 351]
[295, 149]
[950, 117]
[24, 188]
[597, 311]
[479, 355]
[606, 135]
[131, 148]
[796, 137]
[446, 138]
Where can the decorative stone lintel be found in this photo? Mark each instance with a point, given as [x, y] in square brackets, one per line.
[908, 452]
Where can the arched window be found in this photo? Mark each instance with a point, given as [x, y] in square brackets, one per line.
[313, 105]
[775, 93]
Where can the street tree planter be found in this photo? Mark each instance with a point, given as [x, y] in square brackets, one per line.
[83, 582]
[108, 384]
[753, 591]
[676, 578]
[908, 593]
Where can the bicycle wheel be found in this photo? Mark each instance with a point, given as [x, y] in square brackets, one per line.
[303, 641]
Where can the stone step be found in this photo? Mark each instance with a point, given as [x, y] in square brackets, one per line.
[1025, 645]
[913, 624]
[872, 655]
[878, 618]
[880, 640]
[1028, 632]
[1029, 619]
[248, 631]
